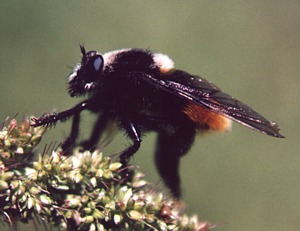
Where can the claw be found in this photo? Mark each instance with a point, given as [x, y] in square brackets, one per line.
[46, 120]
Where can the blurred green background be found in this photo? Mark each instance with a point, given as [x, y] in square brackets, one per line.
[242, 180]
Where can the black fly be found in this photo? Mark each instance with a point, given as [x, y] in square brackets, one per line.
[142, 91]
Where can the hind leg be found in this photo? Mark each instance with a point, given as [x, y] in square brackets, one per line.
[172, 144]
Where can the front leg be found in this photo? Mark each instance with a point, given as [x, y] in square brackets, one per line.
[51, 119]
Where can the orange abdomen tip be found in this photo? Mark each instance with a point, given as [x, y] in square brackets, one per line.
[206, 119]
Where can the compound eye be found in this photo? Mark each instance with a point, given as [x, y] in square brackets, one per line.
[98, 63]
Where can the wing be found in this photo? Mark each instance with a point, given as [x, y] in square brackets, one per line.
[205, 94]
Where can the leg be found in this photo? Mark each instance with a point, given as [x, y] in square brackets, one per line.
[52, 118]
[135, 136]
[70, 140]
[98, 129]
[171, 145]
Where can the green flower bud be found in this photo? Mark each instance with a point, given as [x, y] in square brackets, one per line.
[3, 185]
[135, 215]
[88, 219]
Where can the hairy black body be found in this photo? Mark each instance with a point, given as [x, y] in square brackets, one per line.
[142, 91]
